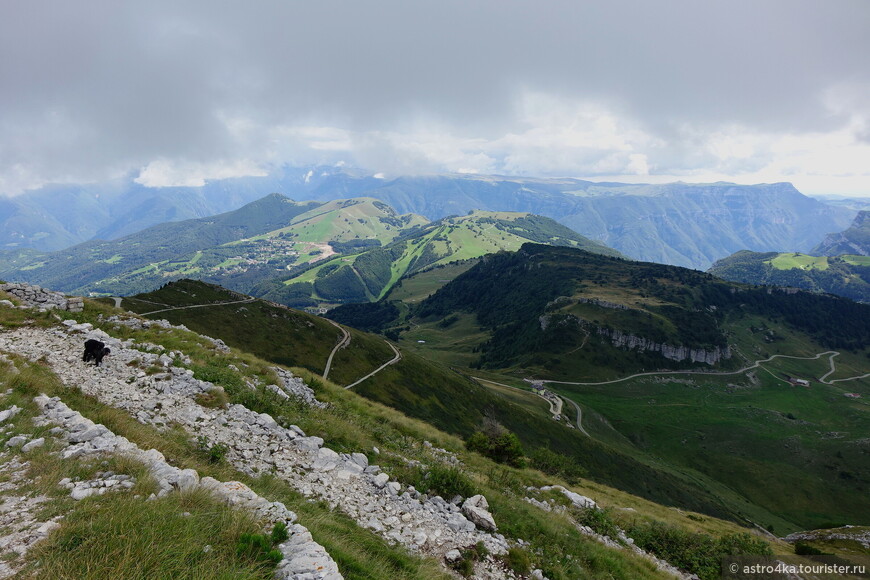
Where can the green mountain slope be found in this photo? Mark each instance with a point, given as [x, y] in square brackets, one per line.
[854, 240]
[369, 275]
[608, 334]
[847, 275]
[551, 538]
[94, 266]
[270, 235]
[418, 387]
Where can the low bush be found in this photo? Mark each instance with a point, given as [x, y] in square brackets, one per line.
[558, 464]
[447, 481]
[804, 549]
[499, 444]
[599, 520]
[213, 453]
[697, 553]
[215, 398]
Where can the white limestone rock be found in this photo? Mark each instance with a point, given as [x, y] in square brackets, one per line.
[476, 509]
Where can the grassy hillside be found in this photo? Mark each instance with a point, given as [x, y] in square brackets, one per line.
[551, 540]
[369, 275]
[241, 248]
[422, 389]
[140, 260]
[846, 275]
[551, 314]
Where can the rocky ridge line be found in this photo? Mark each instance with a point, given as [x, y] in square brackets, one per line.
[304, 559]
[256, 443]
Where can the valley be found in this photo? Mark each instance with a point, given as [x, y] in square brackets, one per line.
[652, 385]
[710, 421]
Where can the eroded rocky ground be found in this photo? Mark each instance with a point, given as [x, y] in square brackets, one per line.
[254, 444]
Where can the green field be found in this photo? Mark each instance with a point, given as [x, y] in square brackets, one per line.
[856, 260]
[797, 451]
[802, 261]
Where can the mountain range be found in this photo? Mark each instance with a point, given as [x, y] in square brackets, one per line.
[683, 224]
[279, 248]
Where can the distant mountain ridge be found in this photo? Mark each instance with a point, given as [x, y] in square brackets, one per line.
[683, 224]
[261, 246]
[854, 240]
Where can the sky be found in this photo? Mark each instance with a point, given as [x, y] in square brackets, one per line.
[176, 93]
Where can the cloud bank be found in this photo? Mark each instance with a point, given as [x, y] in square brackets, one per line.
[178, 93]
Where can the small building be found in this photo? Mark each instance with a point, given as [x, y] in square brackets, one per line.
[852, 395]
[799, 382]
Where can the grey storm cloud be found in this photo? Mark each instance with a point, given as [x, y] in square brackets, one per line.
[90, 89]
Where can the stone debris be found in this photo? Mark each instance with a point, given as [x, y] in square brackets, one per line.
[860, 535]
[19, 527]
[476, 509]
[293, 386]
[580, 501]
[37, 297]
[104, 482]
[9, 413]
[303, 557]
[256, 444]
[621, 542]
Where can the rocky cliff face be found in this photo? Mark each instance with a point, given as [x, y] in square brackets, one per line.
[669, 351]
[629, 341]
[855, 240]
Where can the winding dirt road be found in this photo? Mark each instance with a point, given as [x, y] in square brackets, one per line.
[754, 365]
[345, 340]
[392, 361]
[579, 416]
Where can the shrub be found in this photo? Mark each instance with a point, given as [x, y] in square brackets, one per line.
[447, 482]
[561, 465]
[697, 553]
[279, 533]
[219, 375]
[599, 520]
[213, 453]
[804, 549]
[497, 443]
[213, 399]
[465, 564]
